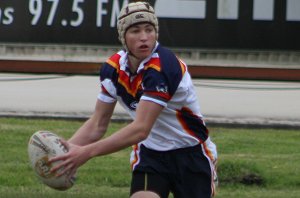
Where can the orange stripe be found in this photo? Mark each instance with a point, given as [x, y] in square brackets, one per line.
[184, 124]
[154, 63]
[183, 67]
[213, 167]
[131, 88]
[153, 66]
[135, 149]
[185, 127]
[114, 61]
[208, 153]
[136, 84]
[115, 65]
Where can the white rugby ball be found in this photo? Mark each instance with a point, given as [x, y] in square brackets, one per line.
[42, 146]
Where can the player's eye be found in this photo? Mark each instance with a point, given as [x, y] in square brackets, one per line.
[134, 30]
[149, 29]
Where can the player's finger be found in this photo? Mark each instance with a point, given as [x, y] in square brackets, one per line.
[65, 143]
[72, 175]
[67, 169]
[59, 166]
[57, 158]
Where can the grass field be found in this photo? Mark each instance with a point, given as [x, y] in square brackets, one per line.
[252, 163]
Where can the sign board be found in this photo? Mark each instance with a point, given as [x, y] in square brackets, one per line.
[230, 24]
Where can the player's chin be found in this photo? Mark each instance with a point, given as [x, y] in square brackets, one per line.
[142, 54]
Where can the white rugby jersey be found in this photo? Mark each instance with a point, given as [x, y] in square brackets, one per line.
[161, 78]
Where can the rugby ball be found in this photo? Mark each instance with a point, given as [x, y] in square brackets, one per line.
[42, 146]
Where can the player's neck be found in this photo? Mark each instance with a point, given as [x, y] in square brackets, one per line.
[133, 63]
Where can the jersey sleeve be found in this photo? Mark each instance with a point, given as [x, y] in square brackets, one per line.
[108, 90]
[163, 75]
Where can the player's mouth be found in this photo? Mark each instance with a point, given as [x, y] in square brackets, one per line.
[144, 48]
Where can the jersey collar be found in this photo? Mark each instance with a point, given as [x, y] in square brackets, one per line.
[124, 60]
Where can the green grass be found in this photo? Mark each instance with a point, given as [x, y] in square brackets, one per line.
[252, 163]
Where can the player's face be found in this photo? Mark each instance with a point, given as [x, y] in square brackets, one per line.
[140, 40]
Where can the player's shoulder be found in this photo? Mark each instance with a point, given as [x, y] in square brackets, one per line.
[170, 64]
[165, 52]
[114, 60]
[112, 65]
[165, 70]
[168, 58]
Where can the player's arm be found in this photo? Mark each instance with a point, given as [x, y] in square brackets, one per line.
[135, 132]
[138, 130]
[95, 127]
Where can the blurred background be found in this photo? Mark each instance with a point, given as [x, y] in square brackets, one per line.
[236, 39]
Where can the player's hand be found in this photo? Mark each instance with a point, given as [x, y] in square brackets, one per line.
[70, 161]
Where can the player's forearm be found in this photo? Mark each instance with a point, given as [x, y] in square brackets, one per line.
[146, 115]
[95, 127]
[127, 136]
[88, 133]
